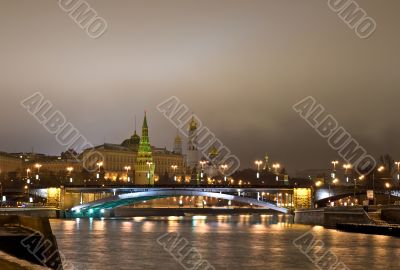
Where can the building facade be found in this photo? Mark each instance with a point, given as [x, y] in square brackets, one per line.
[135, 157]
[10, 166]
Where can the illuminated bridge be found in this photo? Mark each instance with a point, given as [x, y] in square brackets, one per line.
[102, 199]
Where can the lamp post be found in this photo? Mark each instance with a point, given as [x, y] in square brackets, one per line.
[149, 163]
[174, 167]
[397, 163]
[70, 169]
[346, 168]
[27, 173]
[224, 167]
[380, 169]
[202, 163]
[361, 177]
[335, 162]
[128, 168]
[258, 163]
[276, 167]
[99, 164]
[38, 166]
[387, 185]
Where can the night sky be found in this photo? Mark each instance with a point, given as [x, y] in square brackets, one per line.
[240, 66]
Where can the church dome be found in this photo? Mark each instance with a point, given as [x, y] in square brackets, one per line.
[213, 152]
[135, 139]
[132, 141]
[193, 124]
[178, 139]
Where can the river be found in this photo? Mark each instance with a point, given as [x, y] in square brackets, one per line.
[225, 242]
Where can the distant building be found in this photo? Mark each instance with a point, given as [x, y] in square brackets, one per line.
[178, 145]
[134, 153]
[193, 157]
[10, 166]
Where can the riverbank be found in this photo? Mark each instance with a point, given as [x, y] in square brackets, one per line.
[31, 212]
[330, 216]
[388, 229]
[8, 262]
[29, 239]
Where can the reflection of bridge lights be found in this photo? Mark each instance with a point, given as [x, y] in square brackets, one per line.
[91, 211]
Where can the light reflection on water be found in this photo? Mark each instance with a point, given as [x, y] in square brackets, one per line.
[227, 242]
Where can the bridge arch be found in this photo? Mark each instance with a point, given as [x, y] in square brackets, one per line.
[132, 198]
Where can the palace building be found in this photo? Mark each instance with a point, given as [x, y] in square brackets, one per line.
[135, 159]
[10, 166]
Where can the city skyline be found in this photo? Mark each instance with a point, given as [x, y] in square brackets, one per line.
[244, 65]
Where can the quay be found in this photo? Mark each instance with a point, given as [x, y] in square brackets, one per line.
[387, 229]
[26, 241]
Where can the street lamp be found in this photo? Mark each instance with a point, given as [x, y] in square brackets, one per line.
[149, 163]
[99, 164]
[276, 167]
[174, 167]
[361, 177]
[346, 167]
[224, 167]
[38, 166]
[380, 169]
[27, 172]
[258, 163]
[335, 162]
[202, 163]
[387, 185]
[127, 168]
[398, 170]
[70, 169]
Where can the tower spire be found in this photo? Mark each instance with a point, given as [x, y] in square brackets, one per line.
[135, 123]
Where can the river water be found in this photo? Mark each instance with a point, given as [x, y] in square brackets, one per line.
[225, 242]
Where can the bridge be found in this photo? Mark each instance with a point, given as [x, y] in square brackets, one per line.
[89, 199]
[323, 196]
[151, 194]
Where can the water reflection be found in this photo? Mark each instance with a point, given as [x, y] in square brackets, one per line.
[228, 242]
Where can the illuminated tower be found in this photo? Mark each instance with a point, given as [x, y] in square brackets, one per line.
[192, 152]
[144, 166]
[178, 144]
[266, 168]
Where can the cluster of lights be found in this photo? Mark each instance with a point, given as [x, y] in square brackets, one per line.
[91, 211]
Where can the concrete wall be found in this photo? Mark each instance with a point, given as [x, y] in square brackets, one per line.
[391, 215]
[31, 212]
[330, 216]
[309, 216]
